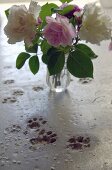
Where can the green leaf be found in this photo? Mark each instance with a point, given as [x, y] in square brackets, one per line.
[31, 49]
[36, 39]
[7, 12]
[63, 1]
[46, 10]
[65, 49]
[20, 61]
[45, 58]
[45, 46]
[79, 64]
[69, 1]
[87, 50]
[55, 10]
[55, 61]
[73, 21]
[66, 10]
[34, 47]
[34, 64]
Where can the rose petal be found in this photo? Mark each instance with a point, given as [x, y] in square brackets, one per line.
[110, 46]
[50, 19]
[34, 8]
[59, 31]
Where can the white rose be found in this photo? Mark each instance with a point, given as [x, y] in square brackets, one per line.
[21, 24]
[34, 9]
[96, 27]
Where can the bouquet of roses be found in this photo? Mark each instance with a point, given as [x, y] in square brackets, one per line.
[58, 31]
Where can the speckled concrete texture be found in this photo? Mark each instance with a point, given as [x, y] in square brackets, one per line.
[41, 130]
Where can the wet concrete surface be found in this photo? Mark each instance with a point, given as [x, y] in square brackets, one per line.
[80, 118]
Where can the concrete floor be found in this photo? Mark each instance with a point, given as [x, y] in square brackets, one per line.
[84, 110]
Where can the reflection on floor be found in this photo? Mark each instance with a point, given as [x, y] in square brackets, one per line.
[40, 130]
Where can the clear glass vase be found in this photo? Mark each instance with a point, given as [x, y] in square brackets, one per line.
[59, 82]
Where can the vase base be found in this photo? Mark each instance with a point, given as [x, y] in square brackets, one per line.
[57, 90]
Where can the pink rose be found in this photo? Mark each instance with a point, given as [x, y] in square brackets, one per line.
[59, 31]
[110, 46]
[70, 14]
[39, 21]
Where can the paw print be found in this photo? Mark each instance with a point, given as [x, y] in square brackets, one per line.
[35, 123]
[18, 92]
[37, 88]
[8, 81]
[9, 100]
[44, 137]
[78, 143]
[13, 128]
[41, 131]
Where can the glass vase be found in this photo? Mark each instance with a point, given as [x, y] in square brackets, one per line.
[58, 82]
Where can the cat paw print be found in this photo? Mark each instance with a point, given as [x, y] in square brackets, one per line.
[18, 92]
[44, 137]
[7, 67]
[13, 129]
[41, 132]
[37, 88]
[8, 81]
[78, 143]
[35, 123]
[9, 100]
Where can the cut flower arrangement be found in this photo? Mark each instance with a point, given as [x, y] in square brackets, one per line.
[58, 32]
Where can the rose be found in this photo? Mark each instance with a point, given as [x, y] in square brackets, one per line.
[21, 24]
[70, 14]
[39, 21]
[96, 27]
[76, 12]
[59, 31]
[110, 45]
[34, 9]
